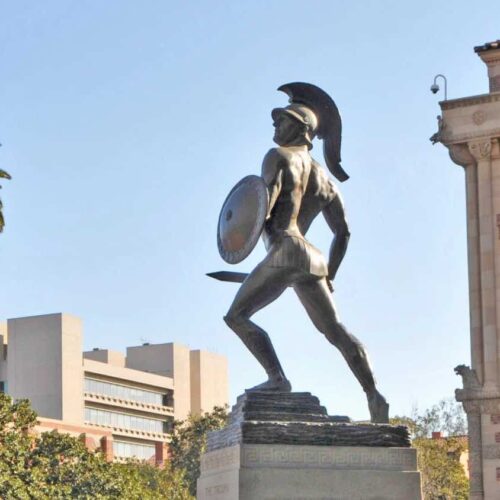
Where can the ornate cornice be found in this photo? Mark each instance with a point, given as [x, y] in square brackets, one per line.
[464, 102]
[457, 139]
[487, 47]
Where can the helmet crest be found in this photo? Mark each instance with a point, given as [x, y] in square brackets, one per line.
[329, 124]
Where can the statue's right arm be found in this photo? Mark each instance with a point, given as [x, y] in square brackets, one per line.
[272, 173]
[335, 217]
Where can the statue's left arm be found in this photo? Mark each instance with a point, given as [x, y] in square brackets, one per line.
[335, 217]
[272, 173]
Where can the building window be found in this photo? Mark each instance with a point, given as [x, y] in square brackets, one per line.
[141, 451]
[3, 387]
[124, 420]
[123, 392]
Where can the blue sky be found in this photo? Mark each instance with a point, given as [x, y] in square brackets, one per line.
[124, 124]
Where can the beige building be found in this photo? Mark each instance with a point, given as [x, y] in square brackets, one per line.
[470, 129]
[124, 404]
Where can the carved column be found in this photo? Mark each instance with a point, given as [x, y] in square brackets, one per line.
[465, 155]
[485, 217]
[492, 157]
[461, 155]
[476, 490]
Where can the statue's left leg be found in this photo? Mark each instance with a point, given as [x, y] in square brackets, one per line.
[262, 286]
[317, 299]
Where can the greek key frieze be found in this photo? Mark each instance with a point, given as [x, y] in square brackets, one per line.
[220, 459]
[325, 457]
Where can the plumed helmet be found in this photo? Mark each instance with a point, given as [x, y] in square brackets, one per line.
[304, 115]
[328, 125]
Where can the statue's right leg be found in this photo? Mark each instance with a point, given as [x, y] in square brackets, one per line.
[262, 286]
[317, 299]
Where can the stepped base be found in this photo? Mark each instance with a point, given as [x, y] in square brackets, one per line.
[298, 418]
[285, 446]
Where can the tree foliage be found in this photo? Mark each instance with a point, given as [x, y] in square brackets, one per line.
[59, 466]
[443, 476]
[447, 417]
[143, 481]
[189, 442]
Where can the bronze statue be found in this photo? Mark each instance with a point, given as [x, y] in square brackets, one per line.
[281, 205]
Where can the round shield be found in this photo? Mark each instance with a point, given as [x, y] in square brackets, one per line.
[242, 218]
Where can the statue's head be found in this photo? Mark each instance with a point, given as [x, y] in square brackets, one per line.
[296, 124]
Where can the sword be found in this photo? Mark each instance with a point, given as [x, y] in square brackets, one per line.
[228, 276]
[232, 277]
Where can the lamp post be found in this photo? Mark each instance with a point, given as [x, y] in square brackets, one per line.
[435, 86]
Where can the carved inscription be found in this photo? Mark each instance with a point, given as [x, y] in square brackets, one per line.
[495, 418]
[218, 489]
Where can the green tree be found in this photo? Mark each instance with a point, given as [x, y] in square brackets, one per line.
[3, 175]
[443, 476]
[189, 442]
[147, 482]
[58, 466]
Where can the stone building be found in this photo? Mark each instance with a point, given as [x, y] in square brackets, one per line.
[124, 404]
[470, 129]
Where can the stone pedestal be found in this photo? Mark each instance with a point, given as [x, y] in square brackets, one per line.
[281, 446]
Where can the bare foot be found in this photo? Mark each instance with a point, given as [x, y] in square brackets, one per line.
[379, 408]
[278, 385]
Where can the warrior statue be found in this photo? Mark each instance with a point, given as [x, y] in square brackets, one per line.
[281, 205]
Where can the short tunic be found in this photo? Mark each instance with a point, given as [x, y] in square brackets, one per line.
[290, 249]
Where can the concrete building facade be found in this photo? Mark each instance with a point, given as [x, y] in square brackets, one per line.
[470, 129]
[124, 404]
